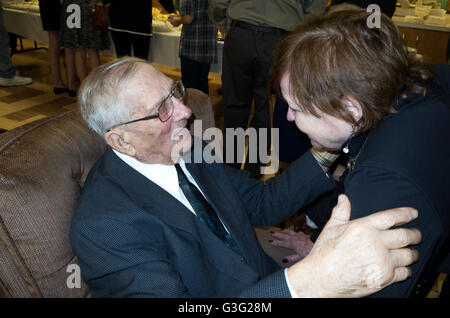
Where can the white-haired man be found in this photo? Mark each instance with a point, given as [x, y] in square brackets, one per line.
[150, 224]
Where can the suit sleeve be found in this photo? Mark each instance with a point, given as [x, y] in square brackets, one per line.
[273, 202]
[271, 286]
[118, 261]
[371, 190]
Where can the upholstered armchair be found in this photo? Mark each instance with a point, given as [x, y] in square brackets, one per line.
[43, 166]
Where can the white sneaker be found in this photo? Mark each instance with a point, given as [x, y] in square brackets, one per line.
[15, 81]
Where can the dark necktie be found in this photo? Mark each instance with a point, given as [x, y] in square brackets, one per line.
[204, 210]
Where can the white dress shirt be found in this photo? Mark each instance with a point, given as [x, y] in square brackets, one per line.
[163, 175]
[167, 178]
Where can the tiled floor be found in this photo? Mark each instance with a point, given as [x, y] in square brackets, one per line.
[20, 105]
[435, 291]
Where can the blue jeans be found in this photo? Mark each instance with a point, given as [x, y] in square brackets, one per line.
[6, 68]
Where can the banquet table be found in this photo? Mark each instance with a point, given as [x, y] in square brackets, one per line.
[25, 23]
[163, 48]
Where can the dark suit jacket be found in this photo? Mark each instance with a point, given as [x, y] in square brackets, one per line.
[134, 239]
[406, 162]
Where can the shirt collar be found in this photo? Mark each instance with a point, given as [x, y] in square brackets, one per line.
[164, 176]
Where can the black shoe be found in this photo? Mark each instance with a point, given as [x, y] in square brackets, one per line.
[72, 93]
[60, 90]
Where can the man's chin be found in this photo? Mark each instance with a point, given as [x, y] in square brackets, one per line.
[317, 145]
[181, 146]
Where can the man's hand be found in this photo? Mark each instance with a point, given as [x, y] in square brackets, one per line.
[224, 28]
[298, 242]
[357, 258]
[175, 20]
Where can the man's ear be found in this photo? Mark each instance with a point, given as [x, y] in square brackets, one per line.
[354, 107]
[119, 140]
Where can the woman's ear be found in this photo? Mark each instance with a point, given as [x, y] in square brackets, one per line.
[119, 141]
[354, 107]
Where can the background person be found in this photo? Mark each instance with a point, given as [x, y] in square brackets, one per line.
[8, 74]
[131, 25]
[85, 39]
[50, 11]
[198, 43]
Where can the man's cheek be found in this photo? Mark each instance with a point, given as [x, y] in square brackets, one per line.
[181, 143]
[166, 127]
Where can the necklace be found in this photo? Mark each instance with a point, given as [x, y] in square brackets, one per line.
[352, 161]
[346, 149]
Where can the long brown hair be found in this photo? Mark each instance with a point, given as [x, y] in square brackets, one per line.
[336, 55]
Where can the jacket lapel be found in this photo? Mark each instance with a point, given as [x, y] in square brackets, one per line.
[148, 195]
[225, 208]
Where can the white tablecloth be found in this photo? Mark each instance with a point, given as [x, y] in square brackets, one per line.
[25, 23]
[163, 48]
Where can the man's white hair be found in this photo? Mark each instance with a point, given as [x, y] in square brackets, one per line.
[101, 96]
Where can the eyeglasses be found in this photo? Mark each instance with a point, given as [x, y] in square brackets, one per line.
[165, 109]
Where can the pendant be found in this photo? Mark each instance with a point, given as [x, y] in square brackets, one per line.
[351, 164]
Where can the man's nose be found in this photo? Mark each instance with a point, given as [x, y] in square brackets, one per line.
[181, 111]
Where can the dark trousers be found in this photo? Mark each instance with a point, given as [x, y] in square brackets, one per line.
[195, 74]
[123, 41]
[247, 58]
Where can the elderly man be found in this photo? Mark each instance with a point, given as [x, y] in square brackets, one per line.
[150, 224]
